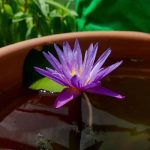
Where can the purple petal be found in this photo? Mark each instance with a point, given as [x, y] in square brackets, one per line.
[58, 75]
[107, 70]
[88, 62]
[87, 55]
[59, 53]
[79, 53]
[53, 72]
[105, 91]
[93, 53]
[91, 85]
[100, 62]
[94, 75]
[85, 76]
[64, 76]
[68, 53]
[75, 82]
[67, 49]
[63, 60]
[66, 96]
[53, 61]
[50, 75]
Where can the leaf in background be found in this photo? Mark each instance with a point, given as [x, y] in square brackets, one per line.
[42, 7]
[16, 7]
[44, 27]
[55, 23]
[55, 13]
[73, 13]
[8, 10]
[69, 23]
[60, 7]
[20, 25]
[19, 17]
[35, 17]
[5, 24]
[31, 32]
[22, 29]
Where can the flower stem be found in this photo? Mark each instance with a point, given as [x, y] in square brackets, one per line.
[90, 110]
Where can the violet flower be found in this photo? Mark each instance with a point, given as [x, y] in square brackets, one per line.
[76, 74]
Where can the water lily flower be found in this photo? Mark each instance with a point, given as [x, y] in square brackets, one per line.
[78, 75]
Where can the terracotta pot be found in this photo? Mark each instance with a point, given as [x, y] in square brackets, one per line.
[124, 45]
[20, 123]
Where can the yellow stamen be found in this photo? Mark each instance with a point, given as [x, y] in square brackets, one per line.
[76, 72]
[73, 73]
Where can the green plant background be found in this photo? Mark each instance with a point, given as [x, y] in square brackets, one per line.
[25, 19]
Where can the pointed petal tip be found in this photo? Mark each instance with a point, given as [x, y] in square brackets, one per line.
[41, 71]
[118, 63]
[36, 68]
[77, 40]
[96, 46]
[55, 46]
[121, 61]
[65, 96]
[61, 103]
[97, 43]
[105, 91]
[120, 96]
[44, 53]
[76, 43]
[57, 106]
[108, 51]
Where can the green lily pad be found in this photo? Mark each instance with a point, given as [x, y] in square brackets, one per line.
[46, 84]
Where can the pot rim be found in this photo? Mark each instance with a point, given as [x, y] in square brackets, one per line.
[131, 35]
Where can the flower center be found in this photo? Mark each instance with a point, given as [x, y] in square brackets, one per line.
[76, 72]
[73, 73]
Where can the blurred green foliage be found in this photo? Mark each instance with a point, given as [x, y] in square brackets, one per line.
[25, 19]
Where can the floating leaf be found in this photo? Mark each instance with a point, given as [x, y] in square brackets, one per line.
[46, 84]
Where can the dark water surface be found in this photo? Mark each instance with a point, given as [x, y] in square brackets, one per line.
[28, 116]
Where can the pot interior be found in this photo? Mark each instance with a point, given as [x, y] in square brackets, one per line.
[28, 119]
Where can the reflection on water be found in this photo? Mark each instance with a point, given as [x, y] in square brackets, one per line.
[115, 133]
[117, 125]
